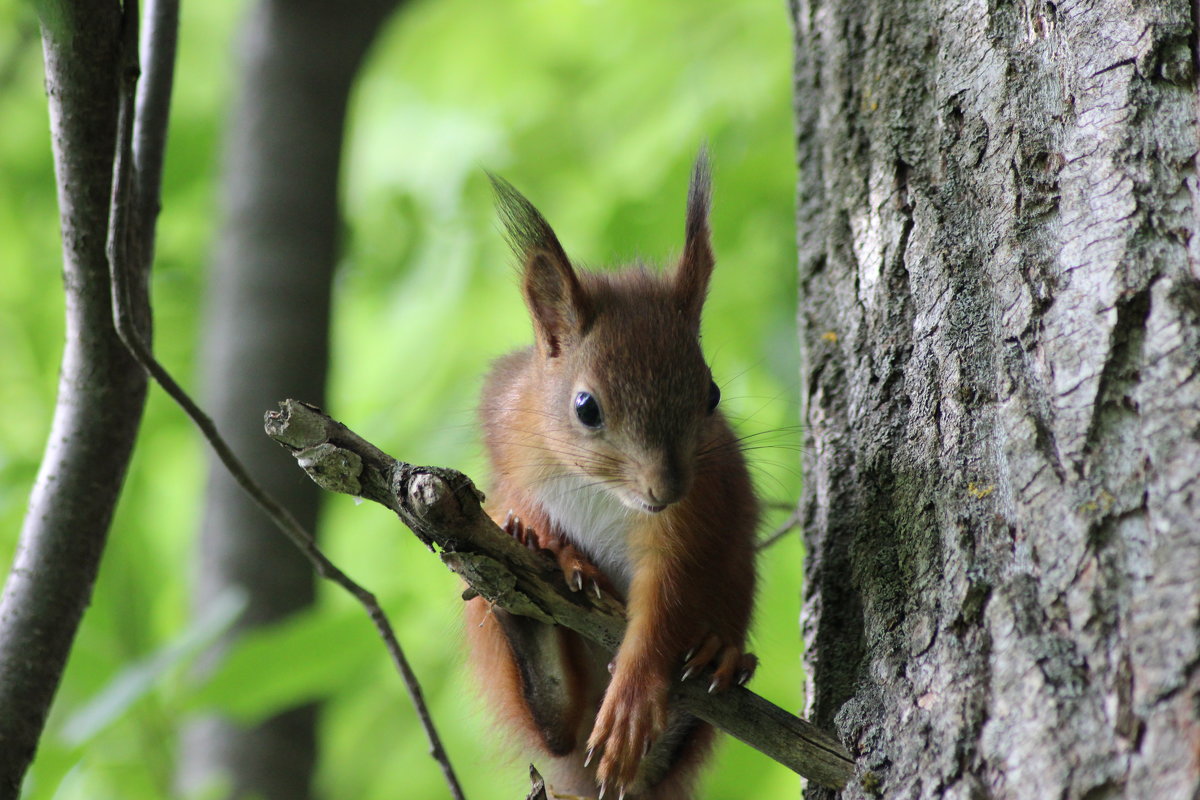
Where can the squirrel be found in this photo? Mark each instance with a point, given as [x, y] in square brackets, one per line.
[607, 448]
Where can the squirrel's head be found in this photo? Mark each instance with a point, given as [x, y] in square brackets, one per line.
[628, 396]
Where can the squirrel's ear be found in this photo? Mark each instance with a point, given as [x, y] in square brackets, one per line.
[559, 306]
[555, 298]
[696, 263]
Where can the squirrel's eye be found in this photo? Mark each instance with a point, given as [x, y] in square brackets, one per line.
[714, 396]
[587, 408]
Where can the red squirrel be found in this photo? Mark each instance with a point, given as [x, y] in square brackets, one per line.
[608, 449]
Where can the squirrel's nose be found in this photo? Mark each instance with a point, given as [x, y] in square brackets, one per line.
[665, 484]
[659, 496]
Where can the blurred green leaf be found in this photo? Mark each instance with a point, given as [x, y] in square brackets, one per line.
[133, 682]
[279, 666]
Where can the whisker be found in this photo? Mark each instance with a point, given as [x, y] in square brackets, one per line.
[567, 450]
[766, 477]
[542, 434]
[595, 458]
[601, 481]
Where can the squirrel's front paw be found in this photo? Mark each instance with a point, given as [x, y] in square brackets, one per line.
[632, 716]
[516, 528]
[577, 570]
[730, 665]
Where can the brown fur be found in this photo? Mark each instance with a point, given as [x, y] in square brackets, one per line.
[685, 556]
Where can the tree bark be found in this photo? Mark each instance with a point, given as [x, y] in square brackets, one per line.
[101, 390]
[1000, 322]
[266, 336]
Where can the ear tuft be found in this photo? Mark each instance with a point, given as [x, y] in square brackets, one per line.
[556, 300]
[525, 228]
[696, 263]
[699, 195]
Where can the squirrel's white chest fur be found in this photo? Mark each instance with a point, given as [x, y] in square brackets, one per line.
[594, 520]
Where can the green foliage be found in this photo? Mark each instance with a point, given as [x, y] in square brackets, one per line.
[595, 111]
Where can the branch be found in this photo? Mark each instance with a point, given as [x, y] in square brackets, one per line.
[101, 391]
[788, 525]
[159, 43]
[442, 507]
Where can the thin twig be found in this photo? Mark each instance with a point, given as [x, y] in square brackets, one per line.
[789, 524]
[153, 107]
[123, 259]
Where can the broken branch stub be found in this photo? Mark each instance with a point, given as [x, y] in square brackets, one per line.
[442, 507]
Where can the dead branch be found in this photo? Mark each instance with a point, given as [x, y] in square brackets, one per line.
[788, 525]
[442, 507]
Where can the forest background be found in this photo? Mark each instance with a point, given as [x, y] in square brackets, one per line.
[595, 111]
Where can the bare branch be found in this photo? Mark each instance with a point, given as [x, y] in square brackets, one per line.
[789, 524]
[537, 785]
[442, 508]
[101, 391]
[159, 38]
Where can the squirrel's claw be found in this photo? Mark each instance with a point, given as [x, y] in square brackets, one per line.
[729, 664]
[700, 656]
[515, 528]
[578, 572]
[748, 665]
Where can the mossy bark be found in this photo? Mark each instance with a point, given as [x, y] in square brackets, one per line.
[1000, 321]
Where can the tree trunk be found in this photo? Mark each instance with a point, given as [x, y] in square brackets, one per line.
[101, 390]
[266, 337]
[1001, 333]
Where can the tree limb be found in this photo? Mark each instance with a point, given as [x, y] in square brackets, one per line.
[160, 36]
[101, 390]
[786, 527]
[442, 507]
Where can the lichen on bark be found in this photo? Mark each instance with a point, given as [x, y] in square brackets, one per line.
[1001, 340]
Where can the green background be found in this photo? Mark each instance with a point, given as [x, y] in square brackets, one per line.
[595, 111]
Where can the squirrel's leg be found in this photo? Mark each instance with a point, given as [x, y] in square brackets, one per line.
[529, 675]
[535, 676]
